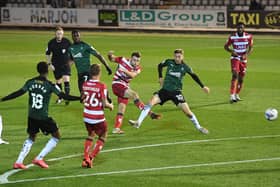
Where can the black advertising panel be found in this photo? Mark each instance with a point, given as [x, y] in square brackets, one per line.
[108, 17]
[249, 18]
[272, 19]
[254, 19]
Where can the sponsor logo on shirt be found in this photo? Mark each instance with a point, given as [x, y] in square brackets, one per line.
[78, 55]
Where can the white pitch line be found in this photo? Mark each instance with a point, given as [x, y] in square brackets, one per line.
[148, 169]
[172, 143]
[4, 177]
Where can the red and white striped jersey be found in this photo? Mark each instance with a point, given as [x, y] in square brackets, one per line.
[240, 44]
[120, 77]
[94, 92]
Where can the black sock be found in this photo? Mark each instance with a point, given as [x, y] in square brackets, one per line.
[67, 88]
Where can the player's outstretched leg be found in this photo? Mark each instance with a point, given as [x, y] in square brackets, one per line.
[142, 116]
[197, 125]
[48, 148]
[139, 104]
[23, 153]
[185, 108]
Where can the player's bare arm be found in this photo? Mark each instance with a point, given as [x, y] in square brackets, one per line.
[48, 57]
[231, 51]
[111, 56]
[131, 74]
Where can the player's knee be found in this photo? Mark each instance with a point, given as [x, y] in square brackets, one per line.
[56, 135]
[135, 95]
[32, 137]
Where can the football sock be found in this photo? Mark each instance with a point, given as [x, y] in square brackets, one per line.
[25, 150]
[67, 88]
[233, 86]
[1, 126]
[87, 146]
[97, 148]
[118, 120]
[144, 114]
[60, 87]
[139, 104]
[239, 87]
[195, 122]
[49, 146]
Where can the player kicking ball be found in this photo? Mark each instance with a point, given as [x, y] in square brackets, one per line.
[172, 89]
[95, 100]
[39, 89]
[127, 70]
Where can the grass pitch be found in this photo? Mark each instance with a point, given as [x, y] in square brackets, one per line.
[242, 148]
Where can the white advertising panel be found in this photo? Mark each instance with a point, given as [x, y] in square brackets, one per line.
[173, 18]
[45, 16]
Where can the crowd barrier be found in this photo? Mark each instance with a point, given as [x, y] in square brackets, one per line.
[129, 18]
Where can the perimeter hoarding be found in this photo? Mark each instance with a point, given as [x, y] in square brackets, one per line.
[254, 19]
[45, 16]
[173, 18]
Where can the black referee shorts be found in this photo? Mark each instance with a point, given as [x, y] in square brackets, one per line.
[60, 71]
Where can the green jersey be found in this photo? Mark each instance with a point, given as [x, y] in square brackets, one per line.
[39, 89]
[80, 53]
[174, 75]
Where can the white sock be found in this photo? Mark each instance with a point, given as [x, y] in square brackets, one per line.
[195, 122]
[25, 150]
[144, 114]
[48, 148]
[1, 126]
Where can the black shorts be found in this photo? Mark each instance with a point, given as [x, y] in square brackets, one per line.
[175, 96]
[47, 126]
[61, 70]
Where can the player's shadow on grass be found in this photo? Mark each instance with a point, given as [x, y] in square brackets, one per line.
[166, 109]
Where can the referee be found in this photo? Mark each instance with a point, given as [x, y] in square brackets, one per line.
[58, 60]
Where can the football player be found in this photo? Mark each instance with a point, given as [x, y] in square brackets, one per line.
[242, 46]
[80, 53]
[171, 89]
[39, 89]
[95, 100]
[128, 68]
